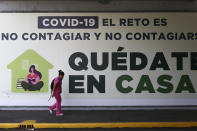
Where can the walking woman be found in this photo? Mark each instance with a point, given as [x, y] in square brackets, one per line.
[57, 90]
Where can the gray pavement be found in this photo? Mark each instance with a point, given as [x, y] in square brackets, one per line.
[43, 116]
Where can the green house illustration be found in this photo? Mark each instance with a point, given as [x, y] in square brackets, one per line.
[23, 80]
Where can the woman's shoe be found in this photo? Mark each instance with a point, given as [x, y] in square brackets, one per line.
[50, 111]
[61, 114]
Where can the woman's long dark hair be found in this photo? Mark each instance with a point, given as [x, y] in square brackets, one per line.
[35, 71]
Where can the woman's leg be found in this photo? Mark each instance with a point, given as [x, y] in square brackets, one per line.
[25, 85]
[37, 86]
[58, 103]
[53, 106]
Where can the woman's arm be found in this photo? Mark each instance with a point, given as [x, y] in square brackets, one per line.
[54, 86]
[37, 80]
[27, 79]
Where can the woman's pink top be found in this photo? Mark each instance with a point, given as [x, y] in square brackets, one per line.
[58, 83]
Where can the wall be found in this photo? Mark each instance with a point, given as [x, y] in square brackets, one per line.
[81, 6]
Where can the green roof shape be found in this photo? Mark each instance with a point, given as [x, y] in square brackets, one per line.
[34, 57]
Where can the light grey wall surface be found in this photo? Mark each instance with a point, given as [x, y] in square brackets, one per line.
[96, 5]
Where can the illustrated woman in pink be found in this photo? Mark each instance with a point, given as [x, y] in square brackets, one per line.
[33, 80]
[56, 92]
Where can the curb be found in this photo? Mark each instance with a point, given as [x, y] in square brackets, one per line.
[100, 125]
